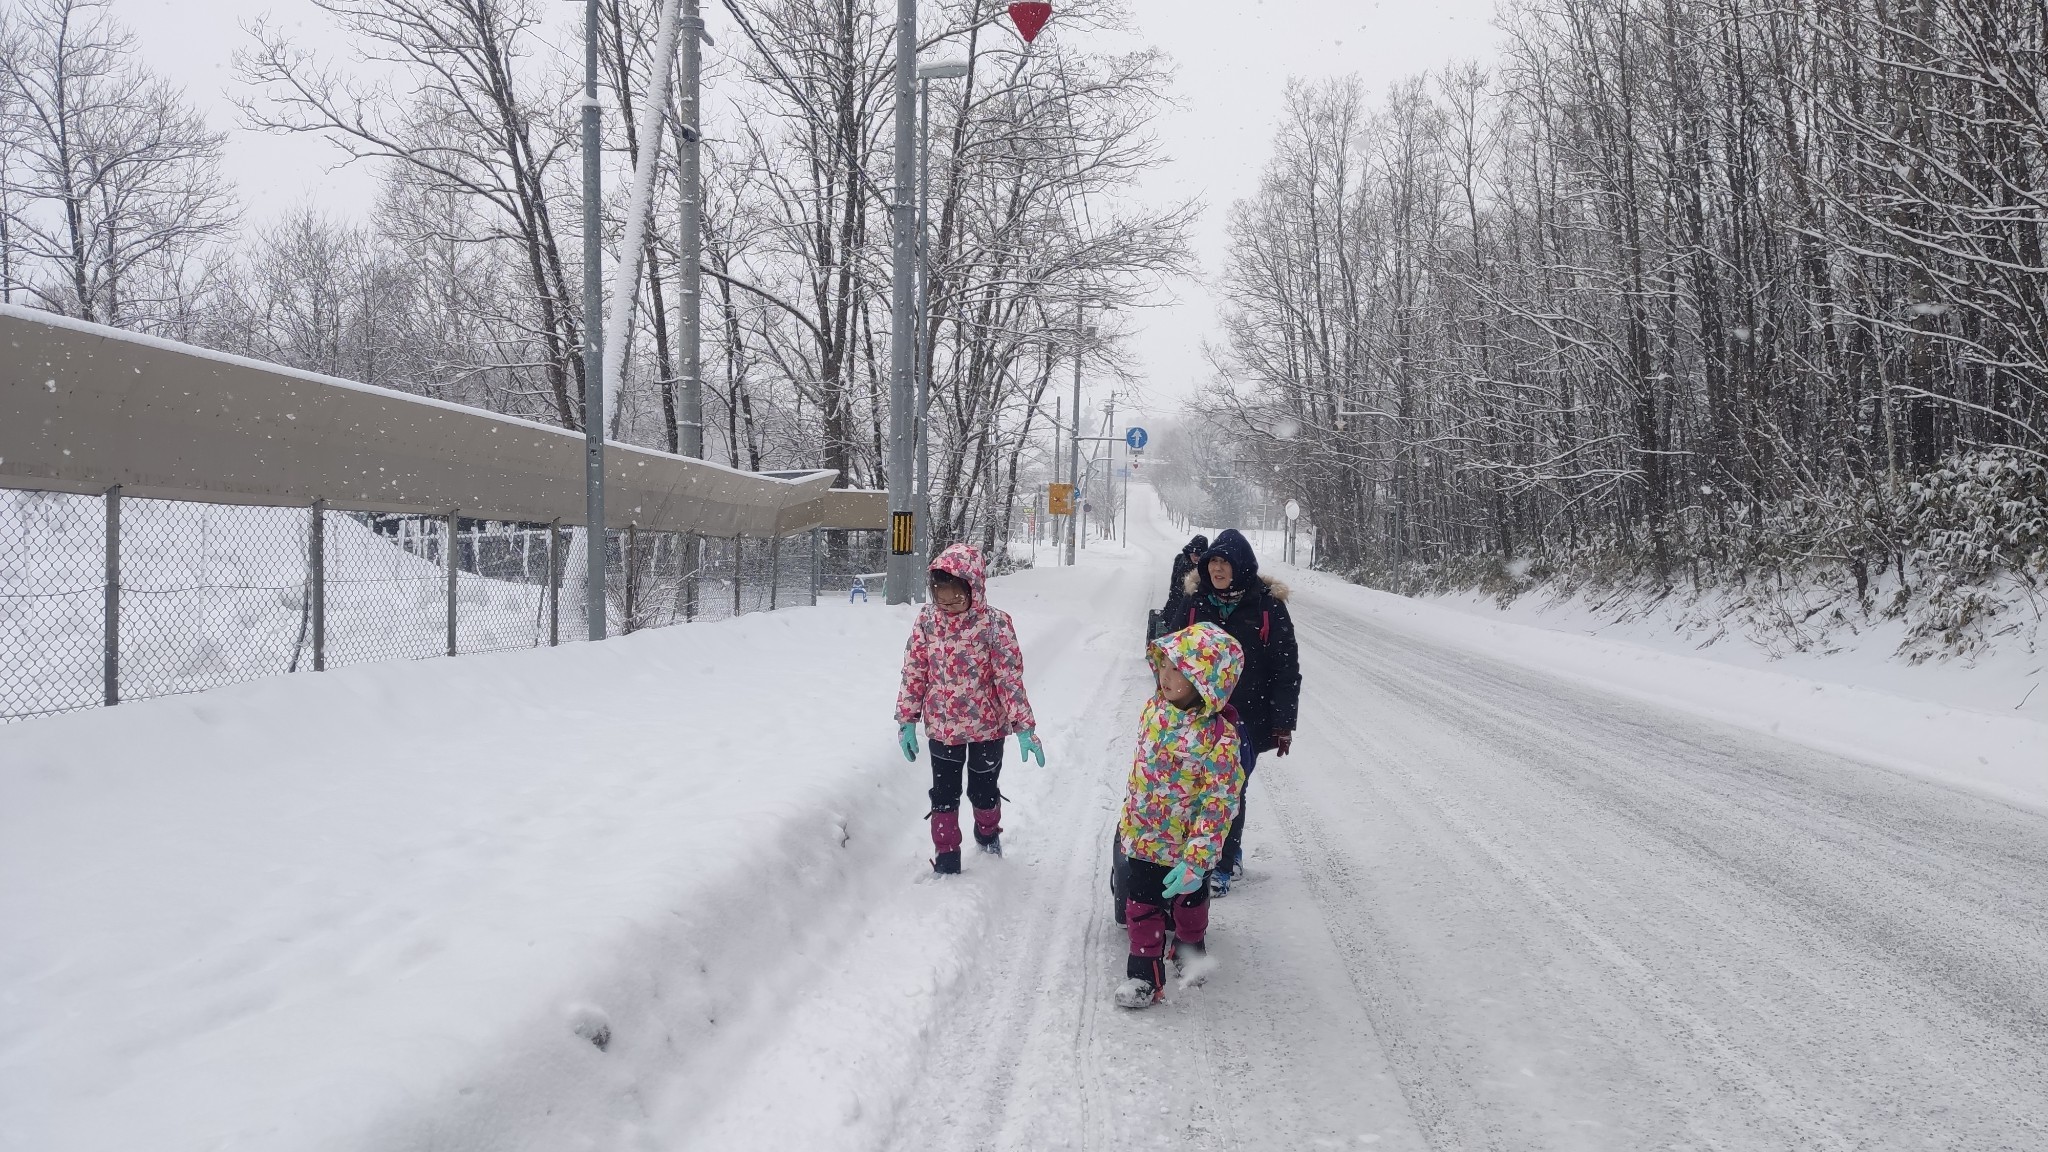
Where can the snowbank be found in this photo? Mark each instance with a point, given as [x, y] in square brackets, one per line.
[214, 594]
[495, 902]
[1862, 650]
[1954, 724]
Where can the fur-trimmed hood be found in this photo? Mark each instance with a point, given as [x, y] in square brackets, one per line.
[1191, 585]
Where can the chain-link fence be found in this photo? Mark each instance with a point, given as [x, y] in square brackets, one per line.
[111, 598]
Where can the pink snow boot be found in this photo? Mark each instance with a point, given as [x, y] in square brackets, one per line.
[988, 829]
[1145, 971]
[946, 841]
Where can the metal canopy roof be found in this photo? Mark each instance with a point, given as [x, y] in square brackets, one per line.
[84, 407]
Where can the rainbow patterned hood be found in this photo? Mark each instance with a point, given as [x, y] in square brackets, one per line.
[1209, 657]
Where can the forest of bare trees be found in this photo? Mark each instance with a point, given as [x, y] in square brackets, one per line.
[463, 279]
[1675, 290]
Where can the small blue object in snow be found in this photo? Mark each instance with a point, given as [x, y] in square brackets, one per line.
[1135, 437]
[859, 591]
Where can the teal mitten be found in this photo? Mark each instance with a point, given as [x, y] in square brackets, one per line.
[1028, 747]
[906, 736]
[1181, 880]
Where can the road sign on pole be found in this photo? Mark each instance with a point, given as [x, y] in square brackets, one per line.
[1059, 499]
[1136, 438]
[1293, 510]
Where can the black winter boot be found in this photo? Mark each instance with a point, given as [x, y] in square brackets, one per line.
[947, 863]
[1144, 983]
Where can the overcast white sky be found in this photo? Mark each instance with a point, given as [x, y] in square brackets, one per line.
[1234, 59]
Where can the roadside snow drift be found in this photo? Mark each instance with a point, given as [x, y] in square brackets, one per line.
[1958, 727]
[476, 903]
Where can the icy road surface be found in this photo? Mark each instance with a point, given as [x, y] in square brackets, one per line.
[1492, 909]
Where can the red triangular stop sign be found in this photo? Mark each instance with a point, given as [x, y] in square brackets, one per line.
[1029, 16]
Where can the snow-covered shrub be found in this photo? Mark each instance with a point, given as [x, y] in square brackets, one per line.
[1952, 555]
[1976, 522]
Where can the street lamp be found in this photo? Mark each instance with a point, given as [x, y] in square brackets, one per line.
[926, 73]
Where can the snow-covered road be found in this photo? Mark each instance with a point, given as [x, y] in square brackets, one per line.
[1493, 909]
[1514, 890]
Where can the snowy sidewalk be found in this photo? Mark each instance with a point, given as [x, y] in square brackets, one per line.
[508, 901]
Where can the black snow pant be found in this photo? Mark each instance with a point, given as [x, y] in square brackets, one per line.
[1233, 844]
[983, 764]
[1150, 915]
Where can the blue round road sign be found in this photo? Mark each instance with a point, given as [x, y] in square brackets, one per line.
[1135, 437]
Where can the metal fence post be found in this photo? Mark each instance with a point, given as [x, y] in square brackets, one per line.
[449, 555]
[693, 559]
[554, 592]
[814, 567]
[632, 566]
[110, 670]
[739, 568]
[774, 570]
[316, 566]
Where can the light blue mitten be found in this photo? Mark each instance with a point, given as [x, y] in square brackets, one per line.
[1028, 747]
[1181, 880]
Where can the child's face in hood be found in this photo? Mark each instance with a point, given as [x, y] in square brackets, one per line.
[951, 597]
[959, 566]
[1175, 688]
[1196, 667]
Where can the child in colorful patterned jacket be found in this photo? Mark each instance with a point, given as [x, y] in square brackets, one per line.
[963, 676]
[1182, 796]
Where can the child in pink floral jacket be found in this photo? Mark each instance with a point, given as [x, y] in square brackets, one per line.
[963, 676]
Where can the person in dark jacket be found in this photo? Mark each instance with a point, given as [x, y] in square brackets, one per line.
[1226, 589]
[1184, 561]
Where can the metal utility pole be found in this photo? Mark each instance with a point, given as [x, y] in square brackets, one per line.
[1074, 454]
[926, 73]
[1129, 463]
[924, 303]
[1109, 466]
[593, 337]
[903, 571]
[691, 219]
[1052, 523]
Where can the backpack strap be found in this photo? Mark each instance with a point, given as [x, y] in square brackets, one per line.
[1265, 624]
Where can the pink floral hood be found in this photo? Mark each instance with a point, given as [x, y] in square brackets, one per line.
[963, 676]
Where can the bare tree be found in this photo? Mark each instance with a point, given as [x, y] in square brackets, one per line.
[113, 179]
[1684, 286]
[474, 121]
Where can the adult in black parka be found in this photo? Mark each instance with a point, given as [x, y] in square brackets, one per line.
[1226, 589]
[1184, 562]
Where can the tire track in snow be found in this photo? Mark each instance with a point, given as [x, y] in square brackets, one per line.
[1838, 995]
[993, 1079]
[1431, 1084]
[1435, 1087]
